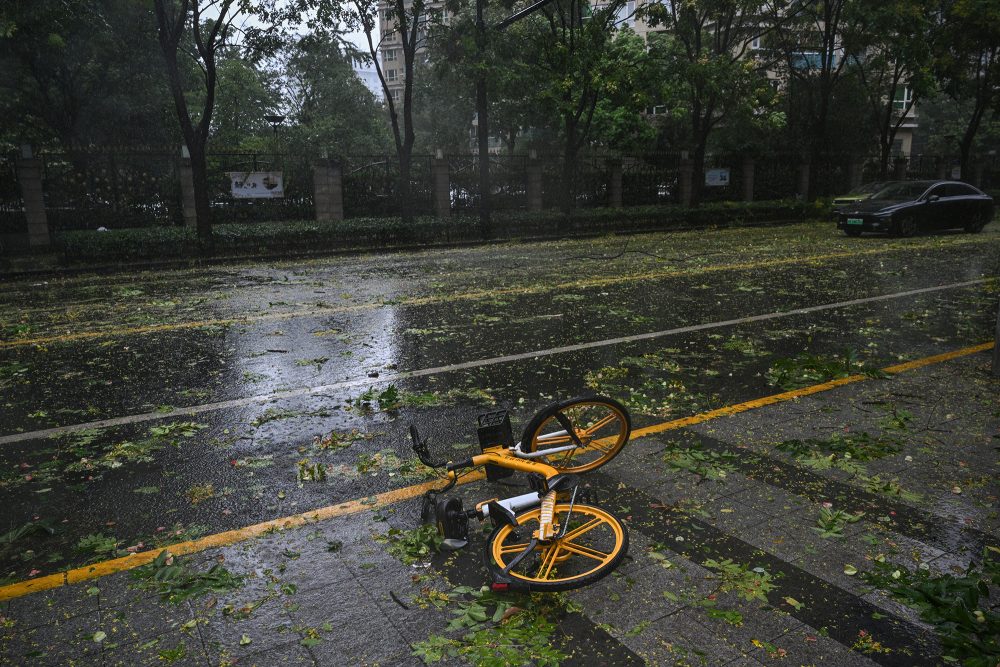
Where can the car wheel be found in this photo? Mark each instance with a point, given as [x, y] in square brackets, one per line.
[976, 224]
[853, 232]
[905, 226]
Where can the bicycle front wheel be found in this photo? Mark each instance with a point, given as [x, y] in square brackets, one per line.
[601, 426]
[594, 543]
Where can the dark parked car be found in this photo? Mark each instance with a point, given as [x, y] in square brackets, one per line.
[860, 193]
[903, 207]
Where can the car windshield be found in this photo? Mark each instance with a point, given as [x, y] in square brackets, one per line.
[901, 191]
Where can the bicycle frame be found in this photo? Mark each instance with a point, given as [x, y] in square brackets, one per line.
[499, 456]
[539, 541]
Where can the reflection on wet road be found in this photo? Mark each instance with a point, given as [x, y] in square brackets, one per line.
[89, 348]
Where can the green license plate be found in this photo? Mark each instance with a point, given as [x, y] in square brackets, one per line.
[855, 221]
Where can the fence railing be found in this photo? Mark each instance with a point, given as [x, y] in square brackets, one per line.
[86, 189]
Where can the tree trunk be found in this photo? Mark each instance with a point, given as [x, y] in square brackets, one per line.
[405, 197]
[698, 174]
[203, 211]
[569, 169]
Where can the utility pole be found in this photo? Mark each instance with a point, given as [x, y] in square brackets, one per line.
[482, 124]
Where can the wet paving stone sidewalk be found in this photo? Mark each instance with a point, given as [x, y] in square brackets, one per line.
[790, 534]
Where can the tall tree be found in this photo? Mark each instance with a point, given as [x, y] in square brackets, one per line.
[810, 36]
[968, 64]
[402, 29]
[706, 58]
[201, 30]
[578, 62]
[70, 75]
[892, 57]
[329, 107]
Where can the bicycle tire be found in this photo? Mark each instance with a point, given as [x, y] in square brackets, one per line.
[553, 559]
[605, 435]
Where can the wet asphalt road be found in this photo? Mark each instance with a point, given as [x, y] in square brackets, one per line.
[86, 348]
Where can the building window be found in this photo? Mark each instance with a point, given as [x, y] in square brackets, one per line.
[391, 54]
[755, 43]
[626, 14]
[390, 75]
[902, 98]
[394, 93]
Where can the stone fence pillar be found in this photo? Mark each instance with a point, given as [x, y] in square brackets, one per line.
[855, 173]
[534, 182]
[899, 168]
[686, 176]
[615, 183]
[442, 187]
[749, 168]
[803, 186]
[29, 177]
[188, 208]
[328, 190]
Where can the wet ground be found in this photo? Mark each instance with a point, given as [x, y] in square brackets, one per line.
[153, 408]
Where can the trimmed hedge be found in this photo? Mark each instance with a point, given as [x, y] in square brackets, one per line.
[152, 243]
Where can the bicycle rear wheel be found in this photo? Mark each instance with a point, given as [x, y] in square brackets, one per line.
[601, 425]
[594, 544]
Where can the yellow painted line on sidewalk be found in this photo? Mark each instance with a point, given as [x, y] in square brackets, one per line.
[357, 506]
[431, 300]
[805, 391]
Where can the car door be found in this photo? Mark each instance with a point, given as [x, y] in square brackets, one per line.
[953, 207]
[935, 207]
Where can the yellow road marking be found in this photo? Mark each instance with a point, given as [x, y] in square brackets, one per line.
[226, 538]
[467, 296]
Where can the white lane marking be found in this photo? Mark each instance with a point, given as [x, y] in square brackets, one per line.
[478, 363]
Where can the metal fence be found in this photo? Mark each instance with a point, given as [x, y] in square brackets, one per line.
[87, 189]
[371, 183]
[12, 218]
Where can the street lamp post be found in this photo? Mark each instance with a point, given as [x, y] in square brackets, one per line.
[275, 121]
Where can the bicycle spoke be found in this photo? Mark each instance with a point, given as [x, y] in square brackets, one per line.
[548, 561]
[554, 440]
[513, 548]
[587, 527]
[584, 551]
[591, 430]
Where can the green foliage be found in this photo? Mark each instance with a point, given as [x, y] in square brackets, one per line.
[175, 581]
[749, 584]
[861, 446]
[98, 546]
[706, 464]
[957, 607]
[831, 522]
[412, 546]
[150, 243]
[892, 488]
[506, 630]
[809, 369]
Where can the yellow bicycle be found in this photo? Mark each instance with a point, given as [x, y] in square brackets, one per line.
[544, 540]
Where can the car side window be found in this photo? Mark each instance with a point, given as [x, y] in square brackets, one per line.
[959, 190]
[940, 191]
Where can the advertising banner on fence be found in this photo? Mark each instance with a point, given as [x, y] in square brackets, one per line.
[257, 184]
[717, 177]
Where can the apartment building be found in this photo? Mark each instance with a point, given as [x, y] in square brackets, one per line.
[391, 45]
